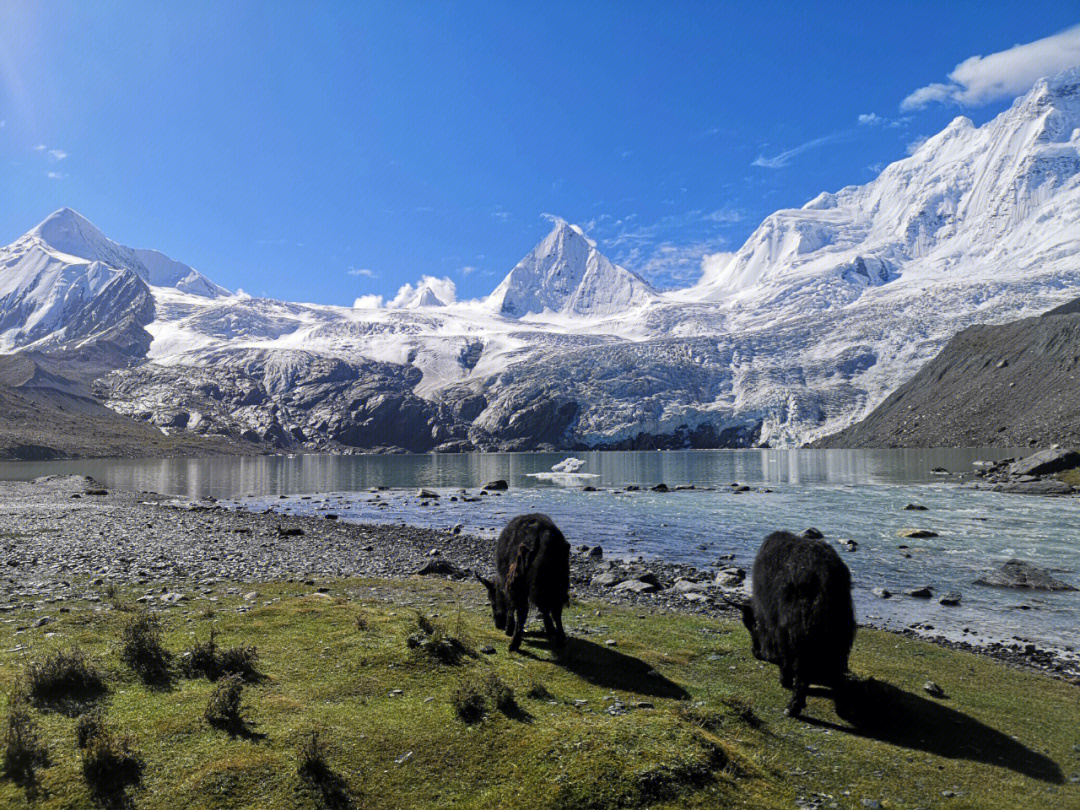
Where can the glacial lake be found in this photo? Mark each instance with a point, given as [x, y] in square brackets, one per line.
[853, 494]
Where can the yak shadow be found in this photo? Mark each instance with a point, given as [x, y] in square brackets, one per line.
[606, 667]
[886, 713]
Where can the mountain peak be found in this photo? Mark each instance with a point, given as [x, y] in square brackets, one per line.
[565, 273]
[68, 231]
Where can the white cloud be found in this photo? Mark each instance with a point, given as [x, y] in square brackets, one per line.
[781, 160]
[241, 294]
[55, 175]
[444, 288]
[467, 270]
[1005, 74]
[368, 302]
[361, 271]
[57, 154]
[913, 147]
[871, 120]
[712, 264]
[40, 147]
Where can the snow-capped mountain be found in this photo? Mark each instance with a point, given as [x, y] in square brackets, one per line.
[566, 274]
[821, 314]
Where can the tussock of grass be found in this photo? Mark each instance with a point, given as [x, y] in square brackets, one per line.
[88, 727]
[24, 752]
[141, 648]
[63, 675]
[110, 765]
[224, 710]
[207, 660]
[433, 640]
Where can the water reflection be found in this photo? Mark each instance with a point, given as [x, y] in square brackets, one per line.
[225, 477]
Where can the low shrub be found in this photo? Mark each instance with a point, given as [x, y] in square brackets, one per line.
[88, 728]
[469, 702]
[142, 650]
[500, 695]
[208, 660]
[63, 675]
[24, 752]
[434, 641]
[224, 709]
[110, 764]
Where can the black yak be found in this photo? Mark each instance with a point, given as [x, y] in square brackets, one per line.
[800, 616]
[532, 564]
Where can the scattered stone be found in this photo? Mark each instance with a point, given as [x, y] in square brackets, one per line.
[917, 534]
[950, 600]
[848, 544]
[498, 485]
[1046, 462]
[607, 579]
[914, 507]
[813, 534]
[1019, 574]
[637, 586]
[429, 494]
[933, 690]
[596, 552]
[487, 649]
[442, 568]
[661, 487]
[924, 592]
[882, 593]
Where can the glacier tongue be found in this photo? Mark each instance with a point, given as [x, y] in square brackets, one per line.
[822, 313]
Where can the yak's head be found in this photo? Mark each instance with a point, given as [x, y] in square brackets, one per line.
[748, 619]
[499, 607]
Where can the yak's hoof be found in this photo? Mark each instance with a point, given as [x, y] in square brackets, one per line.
[515, 645]
[794, 710]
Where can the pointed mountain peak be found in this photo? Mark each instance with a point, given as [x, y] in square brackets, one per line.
[425, 297]
[565, 273]
[69, 232]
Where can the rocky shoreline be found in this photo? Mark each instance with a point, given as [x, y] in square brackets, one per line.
[66, 539]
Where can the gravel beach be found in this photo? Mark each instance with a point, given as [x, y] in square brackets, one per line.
[65, 537]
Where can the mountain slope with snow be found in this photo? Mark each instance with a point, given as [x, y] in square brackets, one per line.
[823, 313]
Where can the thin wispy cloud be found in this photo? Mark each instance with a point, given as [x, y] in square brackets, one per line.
[467, 270]
[40, 147]
[669, 251]
[55, 175]
[361, 271]
[913, 147]
[57, 154]
[1005, 74]
[784, 158]
[871, 120]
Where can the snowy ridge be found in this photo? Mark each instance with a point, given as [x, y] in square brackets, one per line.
[822, 313]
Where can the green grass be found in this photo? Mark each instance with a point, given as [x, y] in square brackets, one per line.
[1071, 477]
[715, 737]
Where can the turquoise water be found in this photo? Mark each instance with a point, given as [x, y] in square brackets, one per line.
[845, 493]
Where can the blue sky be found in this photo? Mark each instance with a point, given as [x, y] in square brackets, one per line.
[320, 152]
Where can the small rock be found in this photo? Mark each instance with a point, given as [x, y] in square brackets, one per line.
[950, 600]
[917, 534]
[596, 552]
[882, 593]
[487, 649]
[813, 534]
[914, 507]
[924, 592]
[933, 690]
[661, 487]
[498, 485]
[427, 493]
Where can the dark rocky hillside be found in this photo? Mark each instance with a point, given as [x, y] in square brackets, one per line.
[1012, 385]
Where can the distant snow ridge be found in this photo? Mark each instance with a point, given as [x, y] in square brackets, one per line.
[823, 312]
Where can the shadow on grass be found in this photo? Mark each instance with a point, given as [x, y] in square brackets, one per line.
[239, 728]
[880, 711]
[605, 666]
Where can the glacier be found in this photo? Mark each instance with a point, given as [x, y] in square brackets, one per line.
[816, 319]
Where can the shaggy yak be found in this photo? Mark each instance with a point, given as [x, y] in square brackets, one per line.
[532, 564]
[800, 616]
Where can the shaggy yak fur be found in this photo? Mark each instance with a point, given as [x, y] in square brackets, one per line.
[532, 565]
[800, 616]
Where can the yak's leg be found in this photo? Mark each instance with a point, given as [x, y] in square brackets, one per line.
[549, 625]
[509, 623]
[519, 627]
[786, 678]
[560, 635]
[798, 700]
